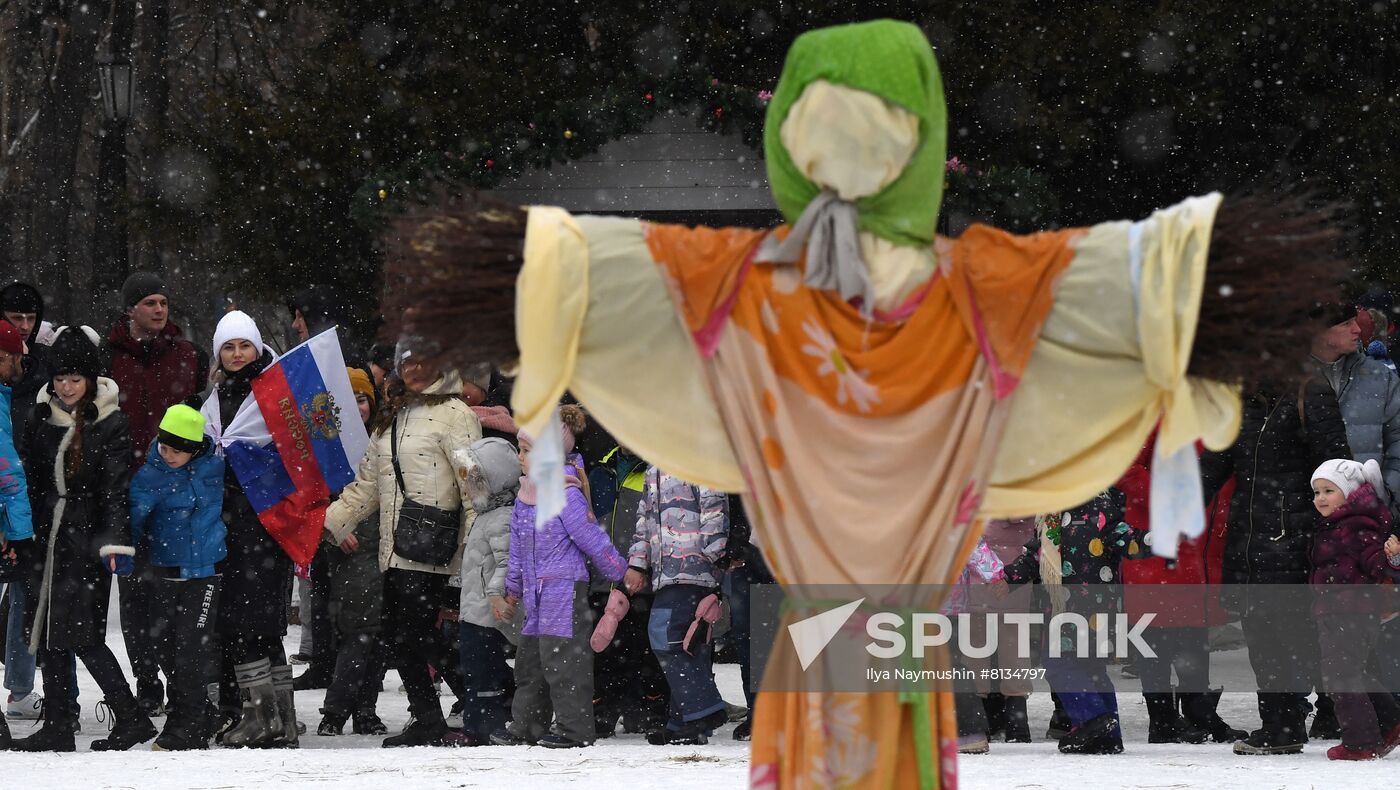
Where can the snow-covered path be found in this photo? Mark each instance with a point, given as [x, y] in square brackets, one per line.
[627, 761]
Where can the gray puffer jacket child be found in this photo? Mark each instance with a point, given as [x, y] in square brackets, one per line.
[493, 476]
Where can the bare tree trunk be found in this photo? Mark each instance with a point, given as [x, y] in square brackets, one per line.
[51, 159]
[154, 80]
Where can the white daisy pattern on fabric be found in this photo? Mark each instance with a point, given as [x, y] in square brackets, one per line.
[850, 383]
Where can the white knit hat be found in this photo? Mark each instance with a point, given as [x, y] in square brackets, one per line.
[1351, 475]
[237, 325]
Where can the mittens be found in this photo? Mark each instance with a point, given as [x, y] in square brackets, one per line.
[706, 614]
[613, 613]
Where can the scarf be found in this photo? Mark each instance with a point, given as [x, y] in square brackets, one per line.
[496, 418]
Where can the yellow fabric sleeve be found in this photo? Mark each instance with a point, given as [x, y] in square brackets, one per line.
[593, 316]
[1109, 366]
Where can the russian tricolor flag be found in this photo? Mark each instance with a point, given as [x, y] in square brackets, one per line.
[296, 442]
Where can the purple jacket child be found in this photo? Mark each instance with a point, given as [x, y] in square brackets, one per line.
[546, 563]
[1349, 549]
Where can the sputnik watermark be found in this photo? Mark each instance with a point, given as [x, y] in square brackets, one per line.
[894, 636]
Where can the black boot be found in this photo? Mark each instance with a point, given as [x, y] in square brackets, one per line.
[367, 722]
[1099, 735]
[56, 735]
[1325, 726]
[605, 718]
[332, 723]
[317, 676]
[994, 704]
[1284, 729]
[1165, 725]
[1060, 724]
[133, 726]
[1018, 725]
[426, 730]
[1200, 710]
[744, 730]
[4, 733]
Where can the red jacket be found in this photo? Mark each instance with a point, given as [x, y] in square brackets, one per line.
[1180, 607]
[152, 377]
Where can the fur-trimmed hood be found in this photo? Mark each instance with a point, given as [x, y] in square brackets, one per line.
[101, 407]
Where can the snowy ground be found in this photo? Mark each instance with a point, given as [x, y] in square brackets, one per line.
[627, 761]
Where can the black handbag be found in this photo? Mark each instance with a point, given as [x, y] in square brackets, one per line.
[424, 534]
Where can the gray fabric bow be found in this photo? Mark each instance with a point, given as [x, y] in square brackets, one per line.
[828, 231]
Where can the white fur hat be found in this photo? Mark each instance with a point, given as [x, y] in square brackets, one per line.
[1351, 475]
[237, 325]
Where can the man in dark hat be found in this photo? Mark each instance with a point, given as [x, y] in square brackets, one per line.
[22, 306]
[155, 368]
[22, 310]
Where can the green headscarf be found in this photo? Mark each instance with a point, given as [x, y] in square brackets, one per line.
[892, 60]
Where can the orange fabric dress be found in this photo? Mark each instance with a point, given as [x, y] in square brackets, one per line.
[827, 413]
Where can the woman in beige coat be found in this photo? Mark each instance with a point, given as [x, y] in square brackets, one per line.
[417, 454]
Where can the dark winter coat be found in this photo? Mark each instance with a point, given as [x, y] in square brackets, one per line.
[153, 377]
[1093, 541]
[1271, 515]
[1348, 549]
[616, 485]
[37, 373]
[257, 572]
[357, 585]
[181, 510]
[79, 519]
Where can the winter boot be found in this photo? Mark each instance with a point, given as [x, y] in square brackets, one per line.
[995, 706]
[261, 721]
[1099, 735]
[367, 722]
[317, 676]
[133, 726]
[1325, 726]
[1343, 752]
[1284, 729]
[1018, 724]
[1200, 710]
[1060, 724]
[56, 735]
[605, 718]
[332, 723]
[150, 696]
[282, 683]
[5, 739]
[744, 730]
[425, 730]
[1165, 725]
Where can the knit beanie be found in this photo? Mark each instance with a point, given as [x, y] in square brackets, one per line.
[527, 441]
[141, 285]
[182, 428]
[10, 340]
[1350, 475]
[75, 350]
[360, 384]
[237, 325]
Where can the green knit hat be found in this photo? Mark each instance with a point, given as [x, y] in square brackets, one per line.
[182, 428]
[892, 60]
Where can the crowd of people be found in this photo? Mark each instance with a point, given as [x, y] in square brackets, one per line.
[110, 466]
[432, 563]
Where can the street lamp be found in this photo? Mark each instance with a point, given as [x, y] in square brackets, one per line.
[114, 77]
[110, 240]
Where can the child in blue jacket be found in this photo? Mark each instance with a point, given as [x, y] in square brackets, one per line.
[176, 498]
